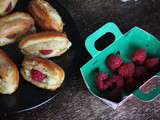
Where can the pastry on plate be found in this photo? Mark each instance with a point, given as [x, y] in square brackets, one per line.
[9, 75]
[14, 26]
[42, 73]
[6, 6]
[45, 44]
[45, 15]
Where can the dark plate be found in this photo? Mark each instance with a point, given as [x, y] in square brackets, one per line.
[28, 96]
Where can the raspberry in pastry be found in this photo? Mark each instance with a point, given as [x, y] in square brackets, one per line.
[42, 73]
[45, 44]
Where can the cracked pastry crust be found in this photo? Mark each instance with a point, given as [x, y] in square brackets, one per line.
[6, 6]
[57, 43]
[45, 15]
[54, 73]
[9, 75]
[14, 26]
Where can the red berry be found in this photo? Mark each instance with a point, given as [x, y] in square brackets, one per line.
[140, 72]
[118, 81]
[37, 75]
[127, 70]
[8, 8]
[45, 52]
[152, 63]
[102, 81]
[115, 95]
[114, 61]
[130, 85]
[139, 56]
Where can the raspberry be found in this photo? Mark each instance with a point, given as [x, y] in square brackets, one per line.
[114, 61]
[115, 95]
[102, 82]
[130, 85]
[8, 8]
[140, 72]
[152, 63]
[127, 70]
[118, 81]
[139, 56]
[45, 52]
[37, 75]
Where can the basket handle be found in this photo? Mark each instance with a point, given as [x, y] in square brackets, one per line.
[107, 28]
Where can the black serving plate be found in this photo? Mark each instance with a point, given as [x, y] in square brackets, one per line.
[28, 96]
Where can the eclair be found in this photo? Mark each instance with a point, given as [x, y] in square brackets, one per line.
[45, 44]
[42, 73]
[9, 75]
[45, 15]
[14, 26]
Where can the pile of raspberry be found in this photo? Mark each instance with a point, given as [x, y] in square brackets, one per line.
[126, 77]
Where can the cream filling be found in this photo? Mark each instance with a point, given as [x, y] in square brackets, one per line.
[54, 80]
[57, 40]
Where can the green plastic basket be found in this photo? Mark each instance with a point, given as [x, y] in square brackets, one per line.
[126, 44]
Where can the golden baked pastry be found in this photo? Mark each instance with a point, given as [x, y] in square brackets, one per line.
[6, 6]
[45, 15]
[45, 44]
[14, 26]
[9, 75]
[42, 73]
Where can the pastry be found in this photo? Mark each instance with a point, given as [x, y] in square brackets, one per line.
[42, 73]
[45, 15]
[45, 44]
[9, 75]
[6, 6]
[14, 26]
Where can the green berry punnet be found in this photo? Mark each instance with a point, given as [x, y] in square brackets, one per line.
[124, 44]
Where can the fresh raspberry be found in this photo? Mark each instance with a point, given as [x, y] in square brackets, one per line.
[8, 8]
[114, 62]
[45, 52]
[139, 56]
[130, 84]
[127, 70]
[37, 75]
[152, 63]
[115, 95]
[102, 82]
[140, 72]
[118, 81]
